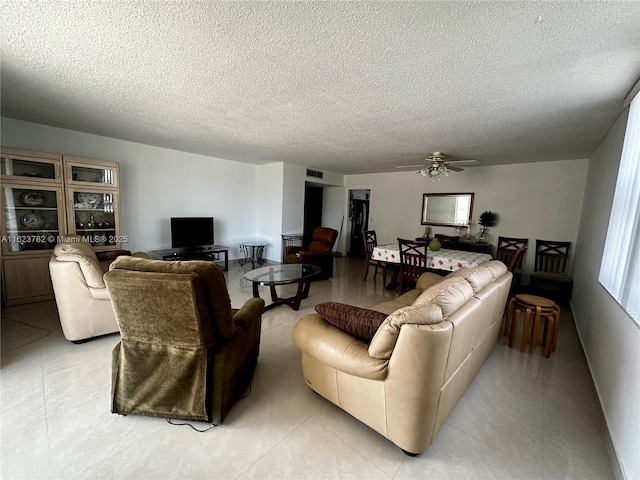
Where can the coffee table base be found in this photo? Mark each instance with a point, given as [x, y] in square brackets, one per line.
[293, 302]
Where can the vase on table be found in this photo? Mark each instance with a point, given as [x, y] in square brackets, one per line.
[434, 245]
[482, 236]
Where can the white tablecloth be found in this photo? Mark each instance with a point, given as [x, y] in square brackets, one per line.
[443, 259]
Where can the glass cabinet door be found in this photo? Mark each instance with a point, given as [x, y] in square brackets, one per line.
[82, 173]
[30, 220]
[95, 217]
[14, 167]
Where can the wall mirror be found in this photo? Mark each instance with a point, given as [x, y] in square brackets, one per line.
[450, 209]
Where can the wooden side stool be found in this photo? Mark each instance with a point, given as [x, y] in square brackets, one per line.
[543, 310]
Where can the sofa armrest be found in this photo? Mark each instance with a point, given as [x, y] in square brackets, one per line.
[249, 313]
[107, 258]
[336, 348]
[99, 294]
[111, 254]
[308, 254]
[89, 267]
[293, 249]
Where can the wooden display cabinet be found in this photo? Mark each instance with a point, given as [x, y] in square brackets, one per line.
[32, 219]
[45, 196]
[93, 201]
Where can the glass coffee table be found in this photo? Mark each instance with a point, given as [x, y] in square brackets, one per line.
[283, 274]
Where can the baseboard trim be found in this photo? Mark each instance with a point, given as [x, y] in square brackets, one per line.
[618, 471]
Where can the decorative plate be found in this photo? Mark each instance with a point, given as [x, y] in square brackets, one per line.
[33, 199]
[32, 220]
[92, 199]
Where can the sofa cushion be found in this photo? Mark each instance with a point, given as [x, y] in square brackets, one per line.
[211, 279]
[427, 279]
[320, 248]
[449, 295]
[433, 306]
[74, 248]
[391, 306]
[496, 267]
[359, 322]
[481, 275]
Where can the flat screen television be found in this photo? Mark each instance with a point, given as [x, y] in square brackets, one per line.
[191, 232]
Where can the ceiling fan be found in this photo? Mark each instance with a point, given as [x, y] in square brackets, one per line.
[439, 165]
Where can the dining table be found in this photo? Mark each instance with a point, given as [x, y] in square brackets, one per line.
[440, 261]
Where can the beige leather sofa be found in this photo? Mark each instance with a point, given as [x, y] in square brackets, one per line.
[405, 383]
[81, 295]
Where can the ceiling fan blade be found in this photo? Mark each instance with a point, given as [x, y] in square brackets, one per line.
[455, 169]
[467, 162]
[412, 166]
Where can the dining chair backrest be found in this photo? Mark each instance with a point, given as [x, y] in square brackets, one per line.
[507, 248]
[448, 241]
[370, 241]
[551, 256]
[413, 261]
[516, 259]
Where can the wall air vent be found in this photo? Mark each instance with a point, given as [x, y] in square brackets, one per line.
[314, 173]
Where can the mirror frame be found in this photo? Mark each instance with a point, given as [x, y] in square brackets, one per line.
[425, 200]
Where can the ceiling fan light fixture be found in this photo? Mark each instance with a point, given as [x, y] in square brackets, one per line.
[438, 166]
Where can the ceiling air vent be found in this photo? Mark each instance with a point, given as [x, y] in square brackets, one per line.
[314, 173]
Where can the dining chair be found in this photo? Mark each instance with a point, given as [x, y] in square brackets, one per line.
[370, 242]
[513, 289]
[413, 262]
[550, 268]
[448, 241]
[508, 249]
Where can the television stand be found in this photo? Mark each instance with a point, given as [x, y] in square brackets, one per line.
[209, 253]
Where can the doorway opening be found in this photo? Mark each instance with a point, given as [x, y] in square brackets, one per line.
[358, 220]
[313, 197]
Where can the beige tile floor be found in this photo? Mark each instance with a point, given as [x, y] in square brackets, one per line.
[523, 417]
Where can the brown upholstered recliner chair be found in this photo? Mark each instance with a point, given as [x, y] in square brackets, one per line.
[81, 296]
[185, 353]
[317, 253]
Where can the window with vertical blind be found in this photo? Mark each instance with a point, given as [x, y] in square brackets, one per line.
[620, 267]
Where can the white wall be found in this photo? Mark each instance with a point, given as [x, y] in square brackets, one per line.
[333, 214]
[247, 201]
[534, 200]
[293, 198]
[611, 339]
[295, 178]
[269, 208]
[158, 183]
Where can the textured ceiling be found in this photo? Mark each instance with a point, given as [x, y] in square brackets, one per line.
[349, 87]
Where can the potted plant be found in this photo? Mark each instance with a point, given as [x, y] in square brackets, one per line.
[487, 219]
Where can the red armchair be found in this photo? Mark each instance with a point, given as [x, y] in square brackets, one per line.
[317, 253]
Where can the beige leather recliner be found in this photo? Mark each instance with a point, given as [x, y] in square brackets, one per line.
[405, 383]
[81, 295]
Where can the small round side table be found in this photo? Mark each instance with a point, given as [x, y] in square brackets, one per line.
[543, 310]
[252, 252]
